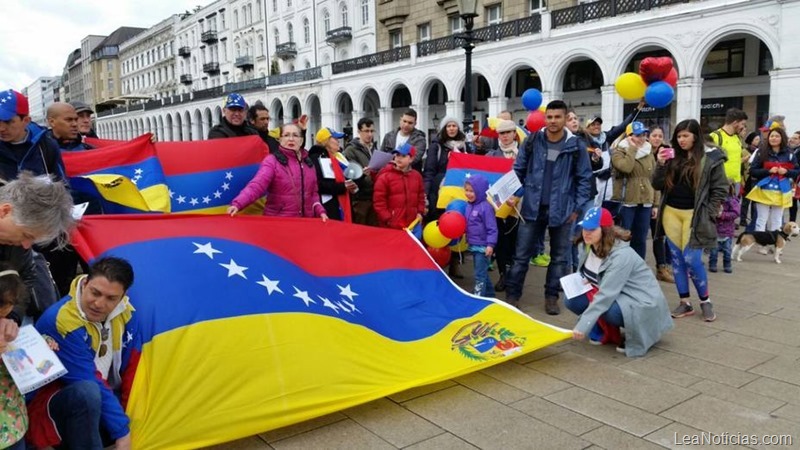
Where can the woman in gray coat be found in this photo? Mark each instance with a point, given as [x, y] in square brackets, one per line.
[625, 305]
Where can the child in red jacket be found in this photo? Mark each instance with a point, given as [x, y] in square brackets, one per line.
[399, 194]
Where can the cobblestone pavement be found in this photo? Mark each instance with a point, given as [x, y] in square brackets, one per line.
[728, 382]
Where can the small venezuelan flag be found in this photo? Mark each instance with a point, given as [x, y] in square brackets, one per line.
[461, 166]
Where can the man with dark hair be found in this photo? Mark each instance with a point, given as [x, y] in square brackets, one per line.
[407, 133]
[232, 123]
[98, 341]
[360, 151]
[258, 116]
[553, 167]
[728, 140]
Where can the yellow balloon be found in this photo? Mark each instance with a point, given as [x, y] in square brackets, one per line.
[433, 237]
[461, 246]
[492, 122]
[630, 86]
[543, 108]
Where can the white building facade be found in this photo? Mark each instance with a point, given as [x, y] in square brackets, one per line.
[40, 97]
[727, 53]
[87, 45]
[148, 62]
[204, 51]
[248, 34]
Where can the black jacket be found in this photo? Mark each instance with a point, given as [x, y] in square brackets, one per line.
[327, 186]
[226, 130]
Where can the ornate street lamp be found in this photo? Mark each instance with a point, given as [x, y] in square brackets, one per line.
[468, 12]
[435, 121]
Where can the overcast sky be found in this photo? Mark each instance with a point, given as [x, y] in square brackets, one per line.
[39, 35]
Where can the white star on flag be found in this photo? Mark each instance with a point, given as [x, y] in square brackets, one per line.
[272, 286]
[234, 269]
[228, 175]
[206, 249]
[171, 193]
[128, 337]
[303, 295]
[193, 201]
[181, 199]
[468, 175]
[217, 194]
[138, 171]
[352, 306]
[328, 304]
[345, 291]
[206, 199]
[225, 186]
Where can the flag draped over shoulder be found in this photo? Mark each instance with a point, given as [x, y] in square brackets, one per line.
[254, 323]
[125, 177]
[461, 166]
[204, 176]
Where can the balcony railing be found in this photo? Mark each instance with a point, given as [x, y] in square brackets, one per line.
[186, 79]
[343, 34]
[209, 37]
[184, 52]
[248, 85]
[212, 67]
[514, 28]
[373, 60]
[208, 93]
[153, 104]
[605, 8]
[287, 50]
[244, 62]
[297, 76]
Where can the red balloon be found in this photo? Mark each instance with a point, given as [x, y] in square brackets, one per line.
[452, 224]
[440, 255]
[535, 121]
[672, 78]
[655, 69]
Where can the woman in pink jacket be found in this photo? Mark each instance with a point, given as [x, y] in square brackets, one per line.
[288, 179]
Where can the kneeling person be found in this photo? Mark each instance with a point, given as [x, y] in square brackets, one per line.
[98, 342]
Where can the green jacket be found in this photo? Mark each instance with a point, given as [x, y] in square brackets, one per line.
[633, 175]
[708, 198]
[626, 279]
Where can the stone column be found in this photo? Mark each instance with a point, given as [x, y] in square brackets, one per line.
[497, 104]
[611, 110]
[690, 92]
[386, 120]
[784, 92]
[454, 109]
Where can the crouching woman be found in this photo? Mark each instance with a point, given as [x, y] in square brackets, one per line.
[625, 305]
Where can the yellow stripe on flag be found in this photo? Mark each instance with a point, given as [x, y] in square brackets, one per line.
[121, 190]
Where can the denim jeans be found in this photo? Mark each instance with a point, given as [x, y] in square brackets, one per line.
[483, 285]
[636, 219]
[76, 413]
[579, 304]
[560, 248]
[724, 246]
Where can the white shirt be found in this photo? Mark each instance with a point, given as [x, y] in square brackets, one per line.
[401, 140]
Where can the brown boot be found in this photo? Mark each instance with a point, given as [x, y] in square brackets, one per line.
[664, 273]
[551, 306]
[455, 270]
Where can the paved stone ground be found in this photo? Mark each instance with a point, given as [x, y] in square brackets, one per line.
[739, 375]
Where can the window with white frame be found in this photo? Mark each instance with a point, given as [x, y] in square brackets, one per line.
[326, 21]
[222, 19]
[364, 12]
[344, 14]
[455, 24]
[494, 14]
[274, 5]
[277, 35]
[238, 50]
[236, 19]
[396, 39]
[288, 3]
[258, 11]
[290, 31]
[306, 31]
[260, 51]
[424, 32]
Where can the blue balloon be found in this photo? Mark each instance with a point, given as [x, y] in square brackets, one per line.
[659, 94]
[457, 205]
[532, 99]
[454, 242]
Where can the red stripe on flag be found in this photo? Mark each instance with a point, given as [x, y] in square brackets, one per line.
[479, 162]
[129, 152]
[178, 158]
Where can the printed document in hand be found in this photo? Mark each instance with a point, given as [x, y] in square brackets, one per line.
[30, 361]
[503, 189]
[574, 285]
[379, 160]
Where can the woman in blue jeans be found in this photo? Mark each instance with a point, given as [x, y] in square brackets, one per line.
[625, 304]
[634, 164]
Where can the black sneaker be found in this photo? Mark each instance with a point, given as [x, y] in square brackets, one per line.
[684, 309]
[501, 284]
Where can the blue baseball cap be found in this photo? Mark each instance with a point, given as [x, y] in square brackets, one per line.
[12, 103]
[595, 218]
[235, 100]
[406, 150]
[636, 128]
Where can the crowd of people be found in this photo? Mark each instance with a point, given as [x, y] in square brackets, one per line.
[596, 194]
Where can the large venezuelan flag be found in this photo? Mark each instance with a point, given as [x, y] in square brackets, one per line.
[461, 166]
[254, 323]
[125, 177]
[204, 176]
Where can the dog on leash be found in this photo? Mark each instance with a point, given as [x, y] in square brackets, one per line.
[778, 239]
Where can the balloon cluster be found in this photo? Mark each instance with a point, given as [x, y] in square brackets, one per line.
[656, 82]
[447, 234]
[532, 101]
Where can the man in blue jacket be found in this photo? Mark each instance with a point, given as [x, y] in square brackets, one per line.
[554, 169]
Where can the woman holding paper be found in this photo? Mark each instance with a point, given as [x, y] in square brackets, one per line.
[624, 304]
[13, 415]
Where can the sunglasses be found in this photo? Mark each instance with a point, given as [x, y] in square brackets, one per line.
[103, 337]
